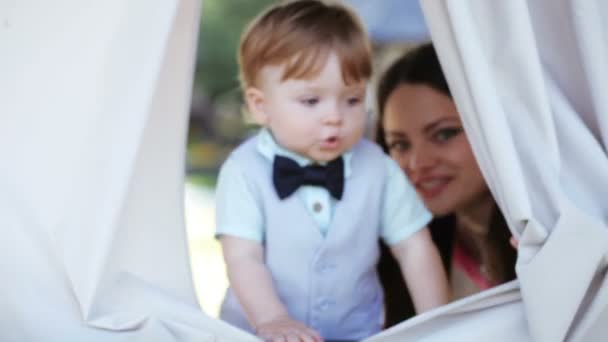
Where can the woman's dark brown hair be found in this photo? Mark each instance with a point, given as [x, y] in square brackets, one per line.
[418, 66]
[421, 66]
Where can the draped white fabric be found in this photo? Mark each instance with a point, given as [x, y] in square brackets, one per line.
[527, 78]
[494, 315]
[94, 103]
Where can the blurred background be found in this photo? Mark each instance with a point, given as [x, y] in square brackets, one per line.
[217, 123]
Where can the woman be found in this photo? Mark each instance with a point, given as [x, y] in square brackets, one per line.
[420, 128]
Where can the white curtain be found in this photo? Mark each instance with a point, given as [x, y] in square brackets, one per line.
[528, 78]
[94, 100]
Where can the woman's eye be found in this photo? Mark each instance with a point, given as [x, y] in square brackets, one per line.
[398, 146]
[310, 101]
[446, 134]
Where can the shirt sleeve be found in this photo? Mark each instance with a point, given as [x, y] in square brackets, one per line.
[237, 211]
[403, 212]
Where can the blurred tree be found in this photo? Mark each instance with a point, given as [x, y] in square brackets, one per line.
[216, 122]
[221, 26]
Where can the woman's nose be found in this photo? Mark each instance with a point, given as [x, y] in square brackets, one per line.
[420, 160]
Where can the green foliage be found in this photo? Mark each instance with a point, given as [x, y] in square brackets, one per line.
[202, 180]
[221, 26]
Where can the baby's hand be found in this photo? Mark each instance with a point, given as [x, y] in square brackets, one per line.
[285, 329]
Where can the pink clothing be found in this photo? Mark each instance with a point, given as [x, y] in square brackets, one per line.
[465, 262]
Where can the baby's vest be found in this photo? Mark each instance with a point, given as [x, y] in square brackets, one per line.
[329, 283]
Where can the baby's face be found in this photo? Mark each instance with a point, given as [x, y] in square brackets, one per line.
[320, 117]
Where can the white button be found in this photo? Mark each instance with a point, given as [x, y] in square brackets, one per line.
[325, 304]
[325, 268]
[317, 207]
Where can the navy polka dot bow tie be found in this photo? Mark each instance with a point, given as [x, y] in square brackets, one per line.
[288, 176]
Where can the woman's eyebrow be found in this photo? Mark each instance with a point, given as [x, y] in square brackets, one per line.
[395, 134]
[434, 124]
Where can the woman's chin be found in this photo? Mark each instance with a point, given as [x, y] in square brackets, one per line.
[439, 209]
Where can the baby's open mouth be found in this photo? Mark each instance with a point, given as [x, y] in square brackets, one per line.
[330, 143]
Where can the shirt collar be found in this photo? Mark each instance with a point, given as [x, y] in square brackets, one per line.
[268, 147]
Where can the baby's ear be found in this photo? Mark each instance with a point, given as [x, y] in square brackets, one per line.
[256, 105]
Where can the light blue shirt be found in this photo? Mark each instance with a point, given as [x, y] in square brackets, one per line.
[238, 213]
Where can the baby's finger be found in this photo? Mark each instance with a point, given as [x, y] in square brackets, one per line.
[292, 337]
[270, 337]
[312, 335]
[306, 337]
[278, 338]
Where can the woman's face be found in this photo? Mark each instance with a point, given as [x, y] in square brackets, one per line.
[424, 135]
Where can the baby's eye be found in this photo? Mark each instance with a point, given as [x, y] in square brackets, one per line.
[353, 101]
[309, 101]
[446, 134]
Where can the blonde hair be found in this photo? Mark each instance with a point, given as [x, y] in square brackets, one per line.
[302, 34]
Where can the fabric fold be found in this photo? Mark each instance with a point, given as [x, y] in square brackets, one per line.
[92, 133]
[526, 79]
